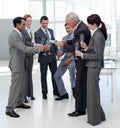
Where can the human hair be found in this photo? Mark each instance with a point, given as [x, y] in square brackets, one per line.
[43, 18]
[95, 19]
[17, 20]
[26, 16]
[73, 17]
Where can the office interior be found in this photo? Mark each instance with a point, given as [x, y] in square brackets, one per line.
[49, 113]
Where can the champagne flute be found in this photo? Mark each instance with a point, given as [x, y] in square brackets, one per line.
[43, 42]
[82, 38]
[76, 48]
[48, 43]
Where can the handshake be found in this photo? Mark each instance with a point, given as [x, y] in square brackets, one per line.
[43, 47]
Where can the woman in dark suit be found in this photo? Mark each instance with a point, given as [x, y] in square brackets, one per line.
[94, 57]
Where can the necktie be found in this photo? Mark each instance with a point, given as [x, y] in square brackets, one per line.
[47, 34]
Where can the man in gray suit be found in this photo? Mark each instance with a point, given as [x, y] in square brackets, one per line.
[17, 50]
[66, 63]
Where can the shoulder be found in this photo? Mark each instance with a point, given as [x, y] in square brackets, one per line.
[65, 37]
[51, 30]
[38, 31]
[14, 33]
[24, 32]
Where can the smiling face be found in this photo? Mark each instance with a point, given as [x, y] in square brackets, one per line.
[44, 24]
[21, 26]
[68, 29]
[70, 23]
[28, 22]
[92, 26]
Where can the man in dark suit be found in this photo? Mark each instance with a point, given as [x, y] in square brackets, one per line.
[17, 50]
[42, 35]
[79, 26]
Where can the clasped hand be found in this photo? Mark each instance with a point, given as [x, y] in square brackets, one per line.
[46, 47]
[43, 47]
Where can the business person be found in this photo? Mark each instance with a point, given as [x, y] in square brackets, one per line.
[66, 63]
[28, 58]
[41, 36]
[17, 50]
[94, 57]
[79, 27]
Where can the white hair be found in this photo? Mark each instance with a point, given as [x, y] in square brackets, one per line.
[73, 16]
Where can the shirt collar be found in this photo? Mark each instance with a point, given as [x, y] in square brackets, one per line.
[44, 29]
[93, 31]
[77, 25]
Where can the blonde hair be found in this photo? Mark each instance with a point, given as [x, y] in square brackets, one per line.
[26, 16]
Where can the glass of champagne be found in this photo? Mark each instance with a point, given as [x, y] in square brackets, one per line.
[76, 48]
[82, 38]
[48, 43]
[43, 42]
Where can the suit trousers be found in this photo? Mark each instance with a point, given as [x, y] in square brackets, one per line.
[29, 81]
[94, 108]
[43, 70]
[60, 72]
[81, 83]
[17, 90]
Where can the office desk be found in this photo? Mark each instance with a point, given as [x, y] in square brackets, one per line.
[109, 70]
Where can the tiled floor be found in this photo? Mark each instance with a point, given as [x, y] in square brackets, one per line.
[51, 113]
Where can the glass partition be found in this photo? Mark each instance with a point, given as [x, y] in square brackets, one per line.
[56, 10]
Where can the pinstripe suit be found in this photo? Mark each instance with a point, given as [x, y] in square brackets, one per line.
[48, 60]
[17, 50]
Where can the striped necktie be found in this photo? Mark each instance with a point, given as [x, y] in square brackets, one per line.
[47, 34]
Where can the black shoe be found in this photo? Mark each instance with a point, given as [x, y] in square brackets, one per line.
[32, 98]
[103, 119]
[75, 113]
[56, 94]
[23, 106]
[25, 101]
[12, 114]
[62, 97]
[44, 96]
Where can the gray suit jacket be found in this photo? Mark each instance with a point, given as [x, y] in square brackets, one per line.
[28, 40]
[95, 52]
[17, 50]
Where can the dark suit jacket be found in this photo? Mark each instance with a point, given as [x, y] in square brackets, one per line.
[39, 34]
[81, 29]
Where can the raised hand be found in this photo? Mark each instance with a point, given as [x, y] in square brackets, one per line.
[83, 45]
[47, 47]
[41, 47]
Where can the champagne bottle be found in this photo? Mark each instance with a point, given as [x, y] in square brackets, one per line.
[53, 41]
